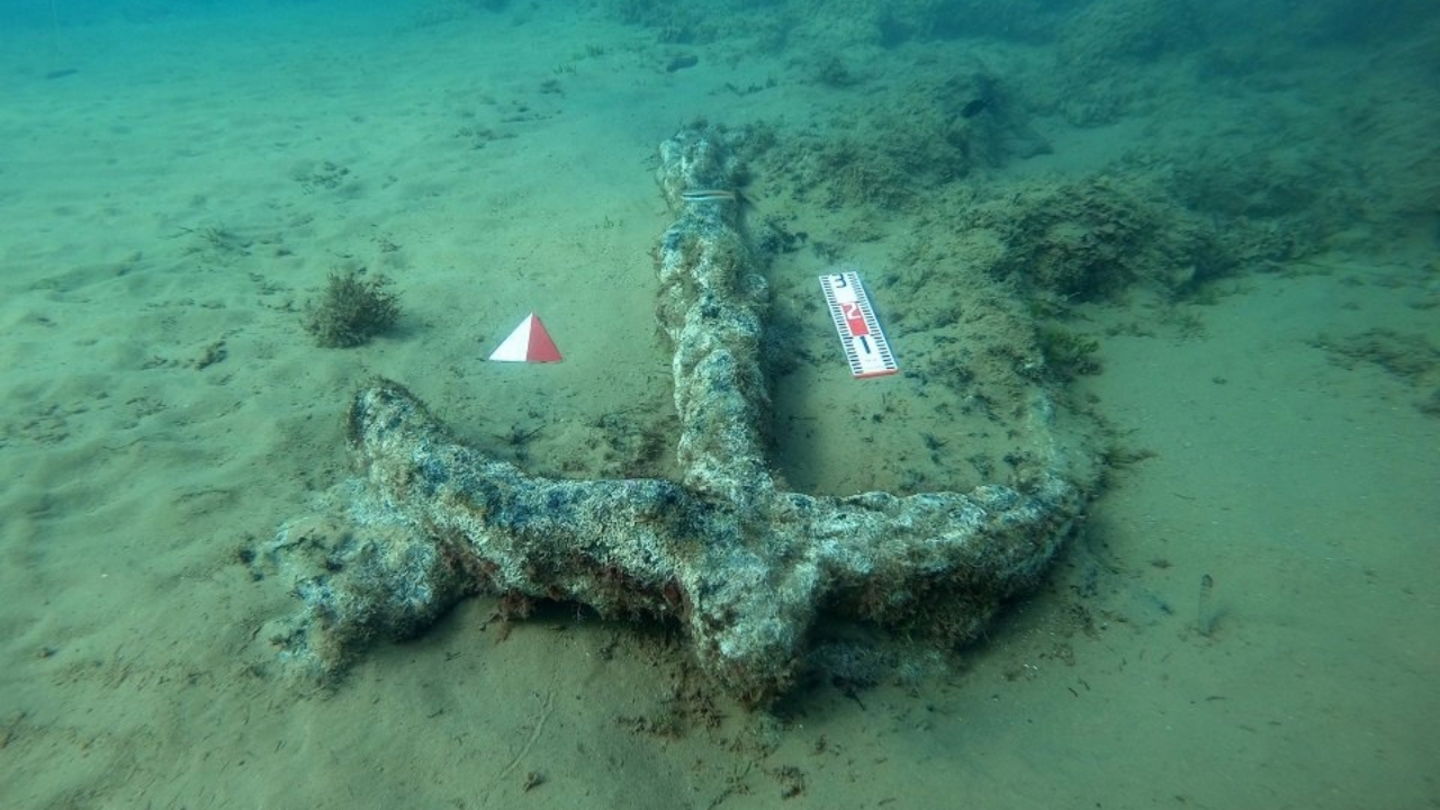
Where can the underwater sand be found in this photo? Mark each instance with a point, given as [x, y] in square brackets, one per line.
[1247, 619]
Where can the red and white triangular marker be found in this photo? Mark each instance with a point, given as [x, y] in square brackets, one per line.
[529, 343]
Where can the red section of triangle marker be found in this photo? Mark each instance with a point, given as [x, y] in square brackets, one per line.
[529, 343]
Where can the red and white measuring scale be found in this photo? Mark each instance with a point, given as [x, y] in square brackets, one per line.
[866, 348]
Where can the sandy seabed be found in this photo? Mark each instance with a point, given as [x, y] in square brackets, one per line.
[1246, 620]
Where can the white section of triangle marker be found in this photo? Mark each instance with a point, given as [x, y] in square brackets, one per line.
[529, 343]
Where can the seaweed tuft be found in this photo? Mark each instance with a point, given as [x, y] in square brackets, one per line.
[352, 310]
[1068, 354]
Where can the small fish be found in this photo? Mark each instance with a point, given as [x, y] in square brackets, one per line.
[721, 195]
[711, 195]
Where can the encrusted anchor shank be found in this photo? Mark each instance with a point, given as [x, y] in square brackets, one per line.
[743, 565]
[711, 299]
